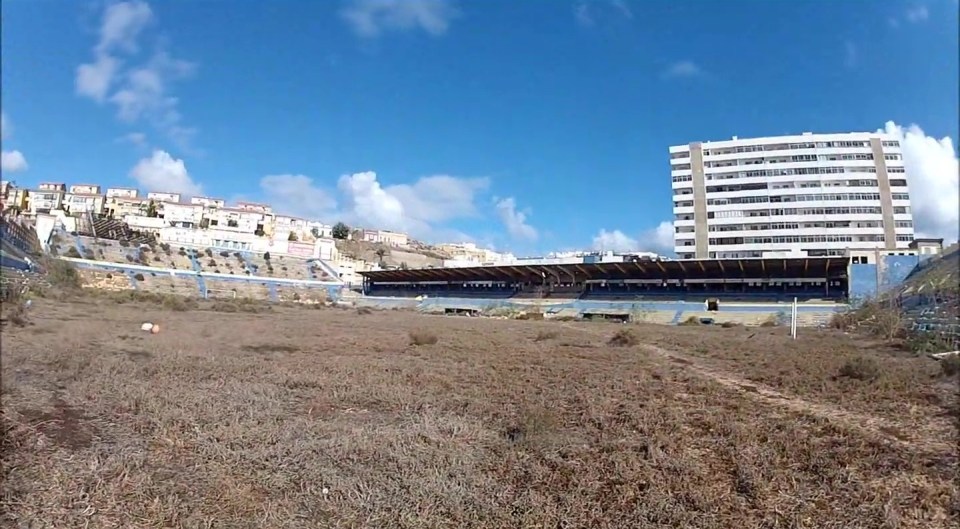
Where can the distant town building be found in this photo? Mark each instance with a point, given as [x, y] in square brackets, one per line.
[159, 196]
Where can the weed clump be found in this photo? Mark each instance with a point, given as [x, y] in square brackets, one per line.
[62, 274]
[423, 338]
[770, 322]
[545, 335]
[364, 311]
[950, 365]
[860, 368]
[623, 338]
[692, 320]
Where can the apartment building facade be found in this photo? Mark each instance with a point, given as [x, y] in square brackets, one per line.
[47, 197]
[84, 198]
[801, 195]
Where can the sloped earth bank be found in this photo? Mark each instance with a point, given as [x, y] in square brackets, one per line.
[330, 418]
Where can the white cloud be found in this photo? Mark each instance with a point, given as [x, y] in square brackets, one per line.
[145, 92]
[419, 208]
[12, 162]
[440, 197]
[682, 69]
[615, 241]
[296, 194]
[122, 24]
[932, 172]
[658, 240]
[140, 92]
[917, 13]
[371, 18]
[95, 79]
[515, 221]
[162, 172]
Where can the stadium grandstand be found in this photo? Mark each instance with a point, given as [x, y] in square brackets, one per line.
[742, 280]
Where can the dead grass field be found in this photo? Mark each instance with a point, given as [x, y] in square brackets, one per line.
[328, 418]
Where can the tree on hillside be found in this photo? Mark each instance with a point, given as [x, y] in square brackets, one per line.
[341, 231]
[292, 237]
[315, 231]
[152, 209]
[380, 253]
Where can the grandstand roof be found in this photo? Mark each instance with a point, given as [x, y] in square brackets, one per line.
[575, 272]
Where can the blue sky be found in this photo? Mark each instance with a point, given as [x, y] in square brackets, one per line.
[531, 126]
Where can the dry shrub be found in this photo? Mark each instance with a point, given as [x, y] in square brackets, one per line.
[364, 311]
[422, 337]
[545, 335]
[950, 365]
[16, 312]
[843, 320]
[62, 274]
[178, 304]
[860, 368]
[564, 318]
[771, 321]
[882, 320]
[692, 320]
[247, 305]
[730, 324]
[623, 338]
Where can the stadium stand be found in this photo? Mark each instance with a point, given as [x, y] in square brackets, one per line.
[747, 280]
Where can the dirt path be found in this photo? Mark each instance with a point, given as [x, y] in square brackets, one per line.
[926, 440]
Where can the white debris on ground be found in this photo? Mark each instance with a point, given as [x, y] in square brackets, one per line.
[942, 356]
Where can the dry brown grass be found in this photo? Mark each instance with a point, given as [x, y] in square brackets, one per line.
[544, 335]
[860, 367]
[302, 419]
[623, 338]
[423, 337]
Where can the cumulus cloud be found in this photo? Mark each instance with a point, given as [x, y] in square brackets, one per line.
[162, 172]
[372, 18]
[139, 92]
[296, 194]
[932, 169]
[615, 240]
[12, 162]
[682, 69]
[515, 221]
[658, 240]
[360, 199]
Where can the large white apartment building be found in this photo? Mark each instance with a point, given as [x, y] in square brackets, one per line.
[809, 194]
